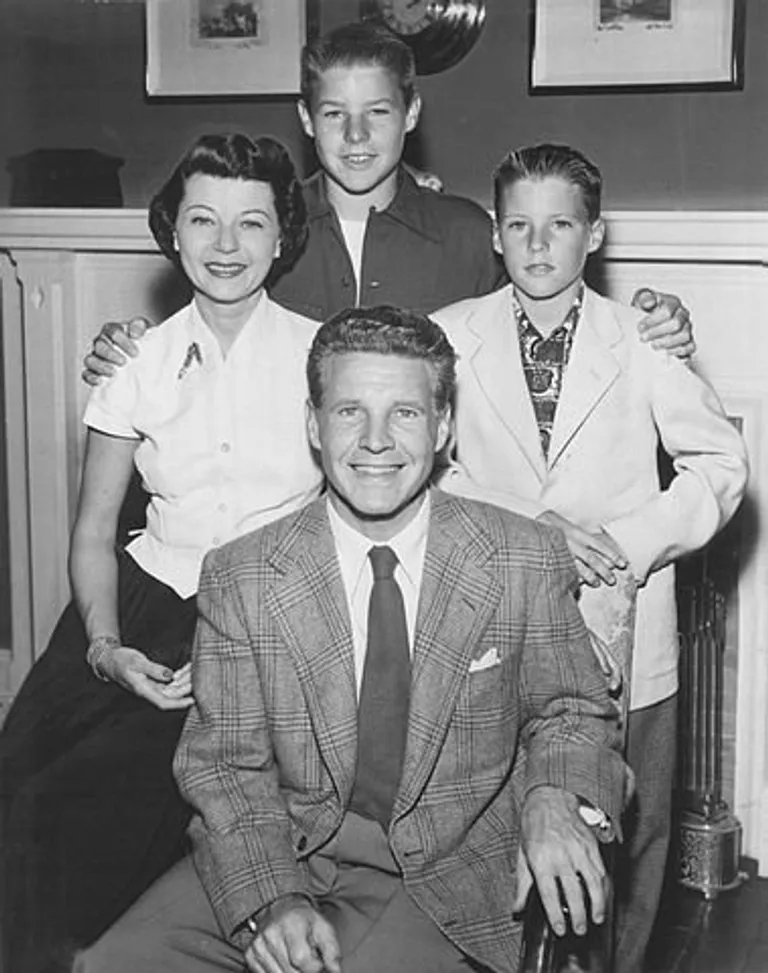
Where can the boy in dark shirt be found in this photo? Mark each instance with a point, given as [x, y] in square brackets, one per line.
[375, 235]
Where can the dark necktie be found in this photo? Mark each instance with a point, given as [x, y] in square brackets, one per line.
[382, 715]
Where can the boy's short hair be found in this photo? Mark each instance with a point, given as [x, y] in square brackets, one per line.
[538, 161]
[358, 43]
[384, 330]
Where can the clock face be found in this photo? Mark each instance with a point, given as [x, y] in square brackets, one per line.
[439, 32]
[406, 16]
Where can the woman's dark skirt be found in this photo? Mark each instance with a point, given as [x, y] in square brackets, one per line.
[90, 814]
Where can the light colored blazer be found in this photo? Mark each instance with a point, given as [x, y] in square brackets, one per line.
[620, 399]
[501, 659]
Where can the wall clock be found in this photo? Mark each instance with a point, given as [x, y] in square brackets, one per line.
[439, 32]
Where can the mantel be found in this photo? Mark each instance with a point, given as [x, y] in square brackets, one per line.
[721, 237]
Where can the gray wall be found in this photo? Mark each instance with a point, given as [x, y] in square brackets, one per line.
[72, 75]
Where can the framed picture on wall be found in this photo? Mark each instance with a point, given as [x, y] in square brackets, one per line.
[635, 45]
[226, 47]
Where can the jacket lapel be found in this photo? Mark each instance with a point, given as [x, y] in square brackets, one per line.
[310, 607]
[592, 369]
[495, 360]
[458, 598]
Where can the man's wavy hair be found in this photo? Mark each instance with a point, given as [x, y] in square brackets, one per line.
[362, 43]
[236, 156]
[547, 159]
[384, 330]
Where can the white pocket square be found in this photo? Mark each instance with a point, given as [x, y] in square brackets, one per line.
[487, 661]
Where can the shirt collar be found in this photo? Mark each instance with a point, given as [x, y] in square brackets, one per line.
[205, 339]
[409, 545]
[405, 208]
[570, 320]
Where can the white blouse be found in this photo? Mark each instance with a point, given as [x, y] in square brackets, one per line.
[223, 440]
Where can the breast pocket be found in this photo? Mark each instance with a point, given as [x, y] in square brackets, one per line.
[486, 714]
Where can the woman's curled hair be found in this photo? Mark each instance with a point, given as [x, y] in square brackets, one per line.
[236, 156]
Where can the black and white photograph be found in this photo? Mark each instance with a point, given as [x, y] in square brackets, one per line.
[635, 12]
[230, 19]
[207, 48]
[621, 45]
[383, 486]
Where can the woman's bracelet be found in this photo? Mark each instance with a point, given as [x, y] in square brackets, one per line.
[97, 649]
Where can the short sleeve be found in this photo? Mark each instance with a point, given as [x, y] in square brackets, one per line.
[112, 406]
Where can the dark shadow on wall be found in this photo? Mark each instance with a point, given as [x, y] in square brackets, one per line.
[5, 554]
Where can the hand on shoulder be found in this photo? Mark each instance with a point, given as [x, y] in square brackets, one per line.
[112, 346]
[667, 324]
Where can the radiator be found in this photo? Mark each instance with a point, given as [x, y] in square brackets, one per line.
[709, 835]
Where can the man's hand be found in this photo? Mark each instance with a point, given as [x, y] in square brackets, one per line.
[294, 939]
[110, 347]
[427, 180]
[667, 322]
[597, 555]
[558, 851]
[158, 684]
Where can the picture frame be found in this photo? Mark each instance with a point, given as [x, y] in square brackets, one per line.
[223, 47]
[636, 45]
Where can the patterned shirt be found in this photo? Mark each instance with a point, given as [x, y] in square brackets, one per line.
[544, 363]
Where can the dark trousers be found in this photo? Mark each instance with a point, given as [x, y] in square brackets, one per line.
[641, 861]
[90, 814]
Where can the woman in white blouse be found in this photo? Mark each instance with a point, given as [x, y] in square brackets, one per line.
[211, 414]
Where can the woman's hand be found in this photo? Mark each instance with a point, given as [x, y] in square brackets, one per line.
[158, 684]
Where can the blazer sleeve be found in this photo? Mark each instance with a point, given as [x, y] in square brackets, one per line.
[225, 767]
[711, 469]
[569, 725]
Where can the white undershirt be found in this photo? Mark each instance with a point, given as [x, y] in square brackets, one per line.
[354, 237]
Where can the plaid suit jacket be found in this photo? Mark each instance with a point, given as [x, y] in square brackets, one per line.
[501, 663]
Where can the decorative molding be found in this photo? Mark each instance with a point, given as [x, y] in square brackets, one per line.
[75, 229]
[722, 237]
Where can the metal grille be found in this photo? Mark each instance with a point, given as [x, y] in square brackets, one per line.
[701, 609]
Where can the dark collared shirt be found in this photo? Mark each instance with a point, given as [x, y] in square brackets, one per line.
[425, 250]
[544, 363]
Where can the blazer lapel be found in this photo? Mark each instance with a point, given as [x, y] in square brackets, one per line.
[495, 361]
[310, 607]
[458, 598]
[592, 369]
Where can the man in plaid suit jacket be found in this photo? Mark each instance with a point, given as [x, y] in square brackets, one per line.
[284, 877]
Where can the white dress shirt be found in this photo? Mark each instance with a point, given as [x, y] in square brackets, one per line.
[223, 447]
[352, 548]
